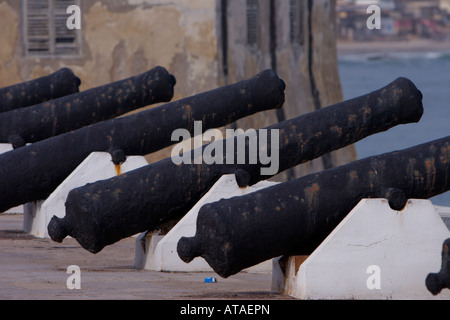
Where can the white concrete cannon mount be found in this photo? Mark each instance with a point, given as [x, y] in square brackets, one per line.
[159, 252]
[374, 253]
[98, 166]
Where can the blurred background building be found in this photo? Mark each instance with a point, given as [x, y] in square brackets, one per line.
[401, 20]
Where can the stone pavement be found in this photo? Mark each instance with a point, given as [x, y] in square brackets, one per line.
[35, 269]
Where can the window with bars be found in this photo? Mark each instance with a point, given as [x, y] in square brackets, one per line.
[45, 31]
[297, 35]
[252, 22]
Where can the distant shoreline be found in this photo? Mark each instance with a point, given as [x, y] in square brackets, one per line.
[351, 47]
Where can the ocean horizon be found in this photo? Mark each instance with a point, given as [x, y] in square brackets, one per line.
[430, 71]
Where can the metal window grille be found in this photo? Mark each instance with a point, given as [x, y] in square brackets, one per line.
[45, 31]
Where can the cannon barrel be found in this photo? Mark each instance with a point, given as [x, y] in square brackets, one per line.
[59, 84]
[65, 114]
[436, 282]
[33, 172]
[293, 218]
[105, 212]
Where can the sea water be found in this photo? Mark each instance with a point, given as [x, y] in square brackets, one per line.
[364, 73]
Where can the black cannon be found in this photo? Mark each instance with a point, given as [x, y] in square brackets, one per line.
[58, 116]
[59, 84]
[293, 218]
[33, 172]
[103, 213]
[436, 282]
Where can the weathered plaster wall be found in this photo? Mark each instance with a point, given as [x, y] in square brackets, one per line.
[306, 68]
[122, 42]
[325, 66]
[9, 37]
[122, 39]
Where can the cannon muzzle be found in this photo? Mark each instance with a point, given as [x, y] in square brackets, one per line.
[59, 84]
[436, 282]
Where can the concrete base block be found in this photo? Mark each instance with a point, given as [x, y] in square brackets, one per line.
[98, 166]
[375, 253]
[4, 147]
[159, 253]
[444, 212]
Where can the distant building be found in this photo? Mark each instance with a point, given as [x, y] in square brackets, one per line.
[401, 20]
[383, 4]
[445, 5]
[420, 8]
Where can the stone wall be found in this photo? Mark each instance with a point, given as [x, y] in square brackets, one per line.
[122, 39]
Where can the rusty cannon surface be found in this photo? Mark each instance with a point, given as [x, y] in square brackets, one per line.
[293, 218]
[68, 113]
[58, 84]
[105, 212]
[436, 282]
[33, 172]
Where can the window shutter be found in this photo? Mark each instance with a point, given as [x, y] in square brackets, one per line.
[65, 41]
[38, 27]
[46, 31]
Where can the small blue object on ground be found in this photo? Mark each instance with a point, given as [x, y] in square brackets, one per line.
[210, 280]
